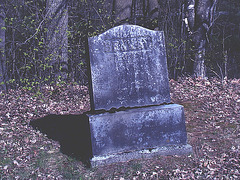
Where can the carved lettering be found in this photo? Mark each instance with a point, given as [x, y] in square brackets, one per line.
[128, 68]
[128, 44]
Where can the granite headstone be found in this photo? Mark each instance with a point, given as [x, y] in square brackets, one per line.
[129, 69]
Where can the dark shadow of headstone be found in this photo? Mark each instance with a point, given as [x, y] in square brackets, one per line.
[71, 131]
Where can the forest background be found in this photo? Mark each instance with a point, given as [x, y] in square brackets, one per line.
[45, 41]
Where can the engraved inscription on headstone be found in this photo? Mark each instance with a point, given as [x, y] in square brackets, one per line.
[128, 68]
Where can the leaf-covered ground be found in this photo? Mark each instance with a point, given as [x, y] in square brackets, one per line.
[212, 111]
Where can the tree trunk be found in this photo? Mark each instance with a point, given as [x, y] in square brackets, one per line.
[200, 44]
[134, 11]
[57, 37]
[153, 8]
[199, 20]
[122, 11]
[3, 74]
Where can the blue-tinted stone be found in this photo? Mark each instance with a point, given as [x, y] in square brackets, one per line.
[128, 68]
[137, 129]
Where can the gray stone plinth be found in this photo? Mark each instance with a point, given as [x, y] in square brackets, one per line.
[124, 134]
[142, 154]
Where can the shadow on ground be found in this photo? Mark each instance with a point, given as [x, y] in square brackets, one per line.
[71, 131]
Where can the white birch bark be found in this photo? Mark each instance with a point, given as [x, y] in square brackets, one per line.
[199, 19]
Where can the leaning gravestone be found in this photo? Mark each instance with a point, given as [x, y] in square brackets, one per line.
[129, 71]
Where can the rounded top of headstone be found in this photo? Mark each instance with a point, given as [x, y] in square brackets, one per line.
[124, 31]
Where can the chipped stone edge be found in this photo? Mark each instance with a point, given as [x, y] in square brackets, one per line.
[142, 154]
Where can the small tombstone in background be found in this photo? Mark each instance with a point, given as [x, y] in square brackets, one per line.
[129, 71]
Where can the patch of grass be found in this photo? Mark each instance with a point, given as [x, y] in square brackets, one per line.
[69, 168]
[136, 166]
[42, 160]
[5, 161]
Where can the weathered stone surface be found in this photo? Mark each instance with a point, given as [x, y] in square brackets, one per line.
[137, 129]
[128, 68]
[141, 154]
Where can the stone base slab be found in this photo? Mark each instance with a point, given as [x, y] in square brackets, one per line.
[142, 154]
[129, 134]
